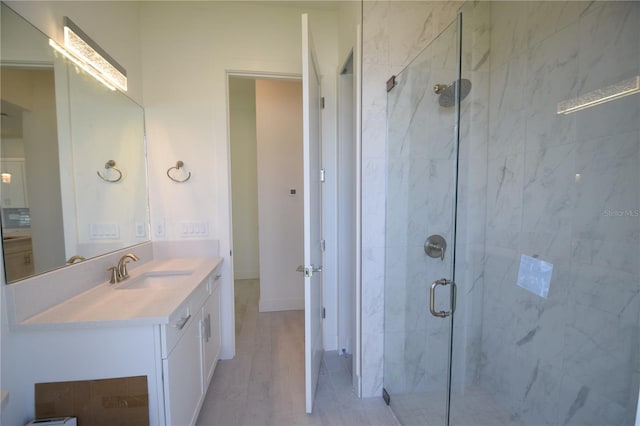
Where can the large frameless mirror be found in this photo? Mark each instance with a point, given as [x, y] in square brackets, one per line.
[72, 159]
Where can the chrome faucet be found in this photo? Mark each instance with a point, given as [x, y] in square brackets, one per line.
[119, 272]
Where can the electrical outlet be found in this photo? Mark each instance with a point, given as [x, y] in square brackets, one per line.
[194, 229]
[104, 231]
[140, 233]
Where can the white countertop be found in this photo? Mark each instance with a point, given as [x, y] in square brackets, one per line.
[106, 306]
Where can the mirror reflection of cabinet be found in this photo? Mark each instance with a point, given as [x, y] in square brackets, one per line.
[14, 190]
[18, 257]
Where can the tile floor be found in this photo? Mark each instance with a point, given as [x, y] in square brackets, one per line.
[264, 384]
[476, 407]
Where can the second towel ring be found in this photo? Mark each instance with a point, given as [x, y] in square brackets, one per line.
[111, 165]
[178, 166]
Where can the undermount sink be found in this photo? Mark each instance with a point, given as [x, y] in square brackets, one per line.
[154, 279]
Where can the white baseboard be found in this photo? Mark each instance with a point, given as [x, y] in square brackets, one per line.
[246, 275]
[275, 305]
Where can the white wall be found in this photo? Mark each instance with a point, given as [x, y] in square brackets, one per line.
[349, 16]
[43, 175]
[185, 91]
[244, 180]
[33, 91]
[279, 136]
[347, 157]
[105, 125]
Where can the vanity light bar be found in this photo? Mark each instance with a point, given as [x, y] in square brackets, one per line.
[81, 64]
[600, 96]
[83, 47]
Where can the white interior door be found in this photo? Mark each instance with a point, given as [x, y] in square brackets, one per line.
[312, 269]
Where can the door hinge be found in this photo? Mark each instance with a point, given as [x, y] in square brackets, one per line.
[322, 102]
[386, 396]
[323, 245]
[230, 252]
[323, 175]
[391, 83]
[324, 313]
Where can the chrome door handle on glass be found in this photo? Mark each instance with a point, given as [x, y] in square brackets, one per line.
[432, 298]
[435, 246]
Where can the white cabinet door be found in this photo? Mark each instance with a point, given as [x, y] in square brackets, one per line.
[210, 336]
[182, 378]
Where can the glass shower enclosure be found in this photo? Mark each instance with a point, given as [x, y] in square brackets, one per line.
[512, 283]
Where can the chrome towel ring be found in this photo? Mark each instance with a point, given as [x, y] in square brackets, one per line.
[177, 167]
[111, 165]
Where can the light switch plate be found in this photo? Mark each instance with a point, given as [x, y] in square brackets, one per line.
[159, 230]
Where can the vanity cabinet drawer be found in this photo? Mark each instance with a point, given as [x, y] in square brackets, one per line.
[199, 295]
[184, 316]
[178, 322]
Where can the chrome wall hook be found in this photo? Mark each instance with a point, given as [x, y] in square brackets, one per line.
[177, 167]
[111, 165]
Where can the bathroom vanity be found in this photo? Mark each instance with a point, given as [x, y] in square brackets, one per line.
[162, 322]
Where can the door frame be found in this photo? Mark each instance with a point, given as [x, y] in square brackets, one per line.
[229, 73]
[351, 89]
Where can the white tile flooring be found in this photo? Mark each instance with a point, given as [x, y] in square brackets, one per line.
[475, 408]
[264, 384]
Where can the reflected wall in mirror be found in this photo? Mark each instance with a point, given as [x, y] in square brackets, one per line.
[59, 128]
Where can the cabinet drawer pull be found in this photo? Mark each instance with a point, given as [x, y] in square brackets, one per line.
[180, 324]
[217, 277]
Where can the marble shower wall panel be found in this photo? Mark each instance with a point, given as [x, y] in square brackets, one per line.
[395, 333]
[565, 188]
[393, 33]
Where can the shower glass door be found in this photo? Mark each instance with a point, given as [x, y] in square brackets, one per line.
[421, 173]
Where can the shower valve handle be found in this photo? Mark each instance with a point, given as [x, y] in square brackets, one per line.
[435, 246]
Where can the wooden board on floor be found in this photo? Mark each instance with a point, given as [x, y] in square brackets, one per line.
[109, 402]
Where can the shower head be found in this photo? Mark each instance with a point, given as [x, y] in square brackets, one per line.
[448, 92]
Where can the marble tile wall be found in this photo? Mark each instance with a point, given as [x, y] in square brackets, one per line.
[554, 186]
[394, 32]
[421, 176]
[564, 188]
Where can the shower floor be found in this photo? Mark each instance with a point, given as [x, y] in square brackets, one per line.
[476, 407]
